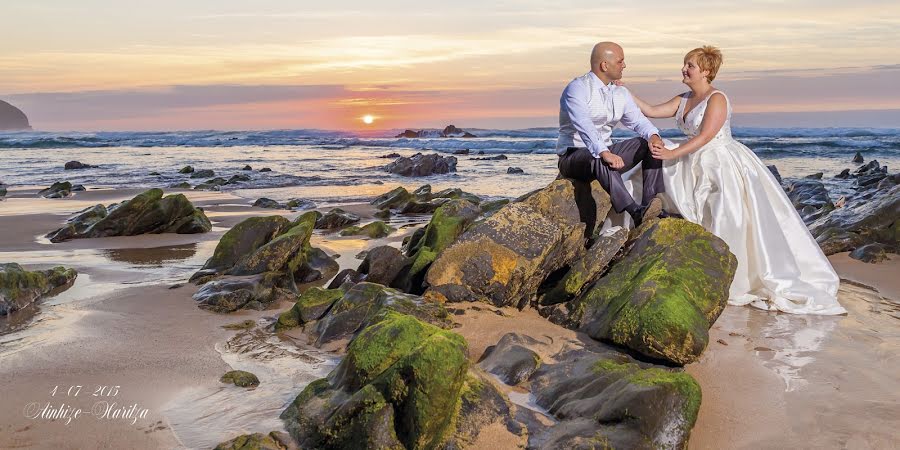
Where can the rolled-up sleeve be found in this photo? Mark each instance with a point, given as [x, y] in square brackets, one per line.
[635, 120]
[574, 102]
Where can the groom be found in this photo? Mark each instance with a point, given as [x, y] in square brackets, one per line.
[589, 109]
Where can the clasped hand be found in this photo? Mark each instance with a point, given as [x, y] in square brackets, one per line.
[659, 150]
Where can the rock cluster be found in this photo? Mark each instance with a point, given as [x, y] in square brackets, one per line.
[259, 261]
[19, 287]
[420, 165]
[450, 131]
[146, 213]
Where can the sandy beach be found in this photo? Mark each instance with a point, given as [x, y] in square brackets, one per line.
[769, 380]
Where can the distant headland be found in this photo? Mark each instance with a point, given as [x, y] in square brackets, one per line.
[12, 118]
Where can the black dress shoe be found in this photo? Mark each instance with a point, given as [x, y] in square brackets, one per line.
[645, 213]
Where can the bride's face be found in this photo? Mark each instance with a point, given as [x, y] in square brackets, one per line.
[691, 72]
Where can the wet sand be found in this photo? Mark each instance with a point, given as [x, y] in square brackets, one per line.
[774, 380]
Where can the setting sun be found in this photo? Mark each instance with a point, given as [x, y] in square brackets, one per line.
[368, 119]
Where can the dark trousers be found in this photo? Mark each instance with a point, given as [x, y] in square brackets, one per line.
[579, 164]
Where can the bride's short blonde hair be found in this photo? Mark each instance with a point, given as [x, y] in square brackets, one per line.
[708, 58]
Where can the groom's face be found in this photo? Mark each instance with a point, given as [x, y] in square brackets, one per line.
[615, 64]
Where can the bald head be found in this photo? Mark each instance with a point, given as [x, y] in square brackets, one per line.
[608, 61]
[605, 51]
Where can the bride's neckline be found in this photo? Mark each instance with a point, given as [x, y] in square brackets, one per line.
[685, 113]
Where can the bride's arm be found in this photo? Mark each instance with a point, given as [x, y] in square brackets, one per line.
[713, 119]
[660, 111]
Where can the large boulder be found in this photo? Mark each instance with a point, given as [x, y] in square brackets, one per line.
[420, 165]
[504, 259]
[310, 306]
[809, 197]
[336, 218]
[398, 387]
[876, 219]
[76, 165]
[584, 272]
[146, 213]
[661, 299]
[357, 307]
[243, 239]
[607, 400]
[20, 287]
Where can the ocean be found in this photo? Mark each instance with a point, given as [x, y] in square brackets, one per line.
[341, 167]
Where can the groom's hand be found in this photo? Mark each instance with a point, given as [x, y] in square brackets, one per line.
[613, 160]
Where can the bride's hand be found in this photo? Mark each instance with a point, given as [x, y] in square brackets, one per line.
[662, 153]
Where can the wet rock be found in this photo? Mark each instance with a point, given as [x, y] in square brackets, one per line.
[2, 191]
[247, 167]
[446, 225]
[870, 179]
[78, 188]
[420, 165]
[815, 176]
[212, 184]
[265, 169]
[871, 167]
[394, 198]
[504, 259]
[19, 287]
[845, 174]
[775, 173]
[300, 203]
[515, 171]
[231, 294]
[205, 173]
[409, 134]
[453, 131]
[871, 253]
[587, 269]
[347, 277]
[661, 299]
[182, 185]
[373, 230]
[383, 264]
[76, 165]
[510, 359]
[59, 189]
[264, 202]
[456, 193]
[874, 220]
[606, 400]
[239, 178]
[398, 387]
[415, 207]
[240, 378]
[146, 213]
[481, 405]
[390, 156]
[336, 218]
[491, 158]
[357, 307]
[858, 158]
[807, 193]
[383, 214]
[312, 305]
[255, 441]
[243, 239]
[187, 169]
[286, 251]
[490, 207]
[464, 151]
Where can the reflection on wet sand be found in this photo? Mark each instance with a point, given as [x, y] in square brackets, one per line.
[152, 256]
[202, 417]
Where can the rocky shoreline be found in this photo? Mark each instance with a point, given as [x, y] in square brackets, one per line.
[643, 303]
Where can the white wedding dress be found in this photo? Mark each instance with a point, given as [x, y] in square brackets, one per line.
[728, 190]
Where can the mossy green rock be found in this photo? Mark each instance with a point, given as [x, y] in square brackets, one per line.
[58, 189]
[398, 387]
[662, 298]
[255, 441]
[504, 259]
[146, 213]
[374, 230]
[287, 250]
[240, 378]
[392, 199]
[312, 305]
[588, 268]
[364, 301]
[245, 238]
[20, 287]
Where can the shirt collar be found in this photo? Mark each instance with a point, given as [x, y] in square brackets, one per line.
[603, 87]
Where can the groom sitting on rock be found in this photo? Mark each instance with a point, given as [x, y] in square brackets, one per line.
[589, 109]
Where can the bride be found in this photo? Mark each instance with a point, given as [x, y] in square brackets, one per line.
[717, 182]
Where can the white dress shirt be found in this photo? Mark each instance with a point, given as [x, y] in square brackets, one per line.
[589, 110]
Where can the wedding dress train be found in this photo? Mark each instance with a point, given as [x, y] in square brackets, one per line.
[728, 190]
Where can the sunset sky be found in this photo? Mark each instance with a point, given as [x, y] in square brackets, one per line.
[202, 64]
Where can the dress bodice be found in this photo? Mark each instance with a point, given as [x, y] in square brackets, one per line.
[690, 125]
